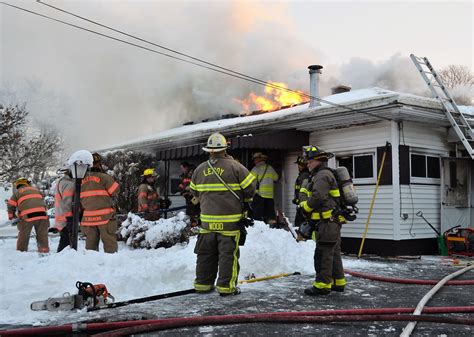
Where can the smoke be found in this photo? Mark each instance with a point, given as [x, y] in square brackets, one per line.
[100, 92]
[398, 73]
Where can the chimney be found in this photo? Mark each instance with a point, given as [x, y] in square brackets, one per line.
[339, 89]
[314, 72]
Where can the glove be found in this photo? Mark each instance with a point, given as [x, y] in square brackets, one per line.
[165, 203]
[195, 221]
[248, 210]
[304, 207]
[296, 201]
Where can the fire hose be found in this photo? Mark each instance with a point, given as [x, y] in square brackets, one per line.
[406, 281]
[320, 316]
[411, 325]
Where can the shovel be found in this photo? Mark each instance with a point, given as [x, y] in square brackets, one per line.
[442, 250]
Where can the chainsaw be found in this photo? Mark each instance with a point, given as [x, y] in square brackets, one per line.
[89, 295]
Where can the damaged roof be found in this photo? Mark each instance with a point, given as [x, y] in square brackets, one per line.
[364, 106]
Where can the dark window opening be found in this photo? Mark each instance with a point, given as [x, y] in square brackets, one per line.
[347, 163]
[418, 166]
[364, 166]
[433, 167]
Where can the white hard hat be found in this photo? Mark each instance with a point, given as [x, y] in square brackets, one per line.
[83, 157]
[215, 143]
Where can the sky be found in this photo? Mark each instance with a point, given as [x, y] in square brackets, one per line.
[99, 92]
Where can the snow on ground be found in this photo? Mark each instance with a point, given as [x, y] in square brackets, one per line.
[131, 273]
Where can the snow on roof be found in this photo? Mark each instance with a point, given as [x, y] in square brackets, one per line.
[373, 96]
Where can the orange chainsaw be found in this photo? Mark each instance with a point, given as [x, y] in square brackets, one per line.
[89, 295]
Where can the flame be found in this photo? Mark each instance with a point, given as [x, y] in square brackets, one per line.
[274, 98]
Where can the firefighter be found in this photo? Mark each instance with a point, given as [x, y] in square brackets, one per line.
[149, 201]
[63, 205]
[303, 175]
[217, 247]
[98, 218]
[263, 205]
[187, 169]
[29, 203]
[320, 206]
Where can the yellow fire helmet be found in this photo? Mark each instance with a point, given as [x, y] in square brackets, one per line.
[21, 181]
[149, 172]
[215, 143]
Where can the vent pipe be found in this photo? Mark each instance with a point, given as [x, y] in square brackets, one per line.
[314, 75]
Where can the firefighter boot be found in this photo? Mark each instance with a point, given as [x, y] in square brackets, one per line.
[337, 288]
[313, 291]
[235, 292]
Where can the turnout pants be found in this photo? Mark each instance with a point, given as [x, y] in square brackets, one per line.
[263, 209]
[24, 231]
[217, 252]
[106, 233]
[327, 256]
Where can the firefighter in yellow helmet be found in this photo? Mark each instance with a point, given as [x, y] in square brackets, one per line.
[322, 200]
[27, 204]
[149, 201]
[222, 185]
[303, 175]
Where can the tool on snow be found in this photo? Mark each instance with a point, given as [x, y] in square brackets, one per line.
[142, 300]
[258, 279]
[288, 224]
[460, 241]
[89, 295]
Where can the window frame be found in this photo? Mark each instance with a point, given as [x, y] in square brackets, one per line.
[425, 180]
[360, 181]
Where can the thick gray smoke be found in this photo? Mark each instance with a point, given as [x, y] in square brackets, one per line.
[100, 92]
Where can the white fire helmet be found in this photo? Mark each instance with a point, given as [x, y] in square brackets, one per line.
[83, 157]
[215, 143]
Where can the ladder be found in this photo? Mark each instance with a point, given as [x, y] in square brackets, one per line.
[440, 92]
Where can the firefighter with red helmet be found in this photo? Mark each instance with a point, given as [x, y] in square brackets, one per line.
[187, 170]
[27, 204]
[324, 224]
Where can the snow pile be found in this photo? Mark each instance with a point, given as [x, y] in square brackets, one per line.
[128, 274]
[140, 233]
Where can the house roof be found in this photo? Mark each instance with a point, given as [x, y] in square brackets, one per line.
[371, 105]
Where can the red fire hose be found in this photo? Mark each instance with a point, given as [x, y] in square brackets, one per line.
[367, 313]
[406, 281]
[173, 323]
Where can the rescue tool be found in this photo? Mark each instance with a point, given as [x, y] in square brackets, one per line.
[89, 295]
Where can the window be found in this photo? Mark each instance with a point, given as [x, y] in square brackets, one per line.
[423, 166]
[359, 166]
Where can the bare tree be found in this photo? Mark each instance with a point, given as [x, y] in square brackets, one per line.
[457, 75]
[460, 80]
[24, 150]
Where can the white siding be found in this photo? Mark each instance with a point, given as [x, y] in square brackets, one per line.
[425, 198]
[381, 222]
[352, 139]
[290, 172]
[427, 137]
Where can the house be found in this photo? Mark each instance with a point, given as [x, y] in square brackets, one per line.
[425, 168]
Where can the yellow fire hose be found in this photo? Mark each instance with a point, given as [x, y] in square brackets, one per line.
[373, 200]
[258, 279]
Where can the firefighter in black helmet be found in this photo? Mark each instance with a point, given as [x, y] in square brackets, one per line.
[303, 175]
[323, 199]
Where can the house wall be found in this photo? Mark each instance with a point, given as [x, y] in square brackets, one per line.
[363, 139]
[417, 196]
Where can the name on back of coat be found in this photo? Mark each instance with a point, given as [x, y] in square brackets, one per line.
[91, 178]
[209, 171]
